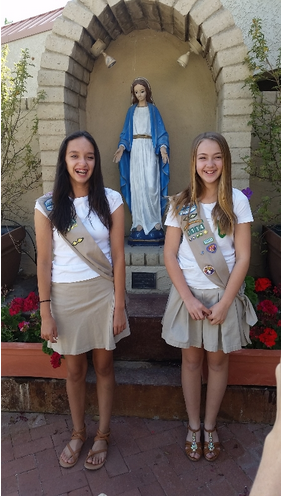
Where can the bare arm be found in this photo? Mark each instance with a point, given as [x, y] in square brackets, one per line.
[242, 242]
[44, 267]
[268, 478]
[118, 259]
[195, 308]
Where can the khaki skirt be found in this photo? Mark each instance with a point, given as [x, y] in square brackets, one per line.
[83, 312]
[181, 331]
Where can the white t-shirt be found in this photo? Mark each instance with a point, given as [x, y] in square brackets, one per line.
[187, 262]
[66, 265]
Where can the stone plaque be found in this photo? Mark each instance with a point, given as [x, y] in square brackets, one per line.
[143, 280]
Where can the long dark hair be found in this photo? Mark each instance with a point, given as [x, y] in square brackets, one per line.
[63, 211]
[222, 212]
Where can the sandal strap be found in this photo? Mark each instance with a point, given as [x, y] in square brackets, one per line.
[102, 437]
[79, 434]
[193, 430]
[210, 431]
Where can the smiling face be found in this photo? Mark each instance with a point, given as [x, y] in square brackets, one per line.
[209, 161]
[140, 93]
[80, 161]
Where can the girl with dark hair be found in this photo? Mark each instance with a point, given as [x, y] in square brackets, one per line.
[143, 157]
[207, 255]
[81, 282]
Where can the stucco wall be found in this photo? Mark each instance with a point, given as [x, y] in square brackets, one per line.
[268, 10]
[36, 46]
[186, 99]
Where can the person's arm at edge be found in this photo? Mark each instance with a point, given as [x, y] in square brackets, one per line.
[118, 260]
[44, 268]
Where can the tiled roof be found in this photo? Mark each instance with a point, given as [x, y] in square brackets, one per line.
[29, 27]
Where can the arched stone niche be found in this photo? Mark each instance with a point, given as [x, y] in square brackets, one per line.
[146, 38]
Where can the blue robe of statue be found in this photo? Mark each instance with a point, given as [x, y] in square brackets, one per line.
[159, 137]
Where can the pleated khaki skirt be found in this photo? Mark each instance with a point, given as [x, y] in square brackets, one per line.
[181, 331]
[83, 312]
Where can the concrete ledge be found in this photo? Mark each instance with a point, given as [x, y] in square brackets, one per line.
[144, 389]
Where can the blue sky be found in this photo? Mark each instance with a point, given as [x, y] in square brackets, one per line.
[18, 10]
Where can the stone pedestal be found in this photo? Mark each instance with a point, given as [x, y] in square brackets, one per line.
[145, 270]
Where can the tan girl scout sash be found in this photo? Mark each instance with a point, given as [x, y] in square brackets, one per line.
[203, 245]
[208, 254]
[82, 243]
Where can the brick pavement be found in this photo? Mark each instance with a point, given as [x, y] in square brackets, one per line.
[146, 458]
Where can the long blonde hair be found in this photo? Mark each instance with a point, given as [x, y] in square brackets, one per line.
[222, 213]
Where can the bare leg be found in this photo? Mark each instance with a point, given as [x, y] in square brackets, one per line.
[217, 382]
[103, 363]
[76, 391]
[192, 359]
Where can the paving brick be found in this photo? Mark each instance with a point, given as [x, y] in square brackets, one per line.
[17, 466]
[29, 483]
[146, 458]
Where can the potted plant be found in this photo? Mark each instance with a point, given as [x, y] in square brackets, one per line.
[264, 164]
[255, 364]
[20, 166]
[23, 352]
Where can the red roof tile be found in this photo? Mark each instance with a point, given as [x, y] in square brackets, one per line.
[29, 27]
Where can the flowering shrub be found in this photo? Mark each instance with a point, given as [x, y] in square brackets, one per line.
[266, 333]
[21, 322]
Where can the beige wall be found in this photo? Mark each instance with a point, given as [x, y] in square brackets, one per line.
[186, 99]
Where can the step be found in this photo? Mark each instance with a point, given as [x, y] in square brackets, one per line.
[143, 389]
[145, 313]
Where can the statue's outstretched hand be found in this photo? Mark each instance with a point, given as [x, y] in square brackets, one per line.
[118, 154]
[164, 154]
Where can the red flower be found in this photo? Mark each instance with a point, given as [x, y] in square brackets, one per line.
[262, 284]
[16, 306]
[279, 323]
[23, 326]
[268, 337]
[55, 360]
[30, 302]
[268, 307]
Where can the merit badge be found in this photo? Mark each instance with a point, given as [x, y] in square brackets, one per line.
[196, 229]
[73, 224]
[212, 248]
[79, 240]
[208, 270]
[192, 216]
[207, 241]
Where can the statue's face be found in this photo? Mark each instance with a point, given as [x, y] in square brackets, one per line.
[140, 93]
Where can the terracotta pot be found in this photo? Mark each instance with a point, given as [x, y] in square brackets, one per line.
[249, 367]
[11, 240]
[28, 360]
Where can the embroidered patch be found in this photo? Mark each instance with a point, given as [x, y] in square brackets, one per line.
[208, 270]
[196, 229]
[187, 210]
[212, 248]
[49, 204]
[219, 233]
[73, 224]
[195, 220]
[79, 240]
[207, 241]
[192, 216]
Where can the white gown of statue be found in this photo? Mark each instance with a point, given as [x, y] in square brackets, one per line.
[144, 175]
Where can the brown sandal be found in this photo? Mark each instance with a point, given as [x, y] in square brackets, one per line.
[74, 454]
[211, 447]
[99, 437]
[193, 446]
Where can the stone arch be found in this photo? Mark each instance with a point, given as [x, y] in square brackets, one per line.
[67, 63]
